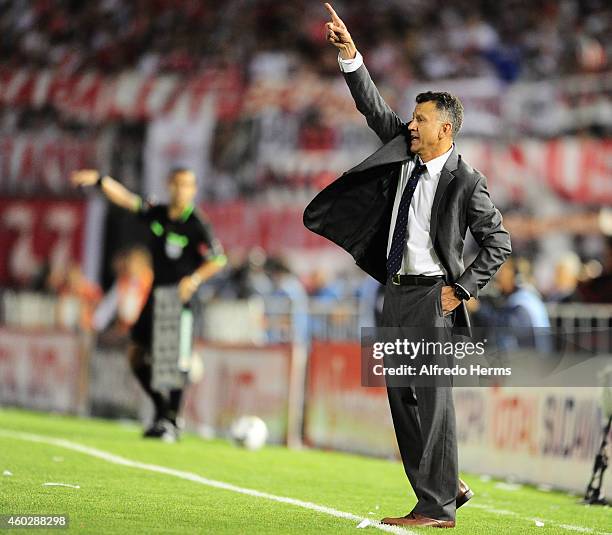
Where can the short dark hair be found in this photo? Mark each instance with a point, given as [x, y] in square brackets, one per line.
[177, 170]
[448, 104]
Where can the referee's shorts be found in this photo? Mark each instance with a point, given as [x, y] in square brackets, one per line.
[141, 332]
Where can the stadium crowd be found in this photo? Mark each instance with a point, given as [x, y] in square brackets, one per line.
[514, 291]
[403, 41]
[428, 40]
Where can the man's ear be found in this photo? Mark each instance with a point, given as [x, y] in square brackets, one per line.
[442, 131]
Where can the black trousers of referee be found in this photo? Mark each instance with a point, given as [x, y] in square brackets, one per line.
[424, 416]
[167, 405]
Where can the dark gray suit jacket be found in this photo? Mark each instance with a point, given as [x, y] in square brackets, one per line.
[354, 211]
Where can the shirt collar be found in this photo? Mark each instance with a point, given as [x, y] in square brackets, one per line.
[434, 167]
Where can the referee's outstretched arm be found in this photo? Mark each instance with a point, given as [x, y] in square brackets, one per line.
[115, 192]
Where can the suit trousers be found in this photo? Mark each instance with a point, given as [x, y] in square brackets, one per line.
[424, 416]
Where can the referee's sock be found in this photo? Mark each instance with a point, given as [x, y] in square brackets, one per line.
[144, 374]
[174, 405]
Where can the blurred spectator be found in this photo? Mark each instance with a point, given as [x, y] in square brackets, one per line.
[566, 278]
[517, 319]
[77, 301]
[371, 301]
[128, 295]
[314, 134]
[599, 289]
[287, 284]
[247, 279]
[50, 278]
[271, 39]
[134, 286]
[322, 286]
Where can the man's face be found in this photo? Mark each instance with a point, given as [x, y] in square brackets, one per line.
[182, 188]
[427, 130]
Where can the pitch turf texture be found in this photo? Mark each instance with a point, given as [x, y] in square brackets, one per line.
[139, 497]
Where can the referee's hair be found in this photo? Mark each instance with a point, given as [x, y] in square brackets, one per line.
[177, 170]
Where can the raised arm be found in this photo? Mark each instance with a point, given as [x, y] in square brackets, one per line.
[114, 191]
[379, 116]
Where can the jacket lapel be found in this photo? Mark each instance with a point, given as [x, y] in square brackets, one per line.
[446, 177]
[396, 150]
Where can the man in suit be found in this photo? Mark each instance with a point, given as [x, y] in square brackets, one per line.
[403, 214]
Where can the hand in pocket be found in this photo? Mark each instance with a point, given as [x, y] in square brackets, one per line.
[448, 300]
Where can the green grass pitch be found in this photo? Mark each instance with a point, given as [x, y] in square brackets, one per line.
[115, 498]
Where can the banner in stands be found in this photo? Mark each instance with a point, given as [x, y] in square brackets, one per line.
[481, 98]
[544, 108]
[172, 142]
[93, 97]
[113, 389]
[41, 372]
[36, 234]
[340, 414]
[541, 436]
[544, 177]
[242, 225]
[554, 172]
[237, 381]
[35, 163]
[532, 172]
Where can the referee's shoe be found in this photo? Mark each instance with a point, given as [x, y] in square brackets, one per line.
[163, 429]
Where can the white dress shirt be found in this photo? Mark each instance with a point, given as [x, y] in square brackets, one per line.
[419, 255]
[419, 258]
[350, 65]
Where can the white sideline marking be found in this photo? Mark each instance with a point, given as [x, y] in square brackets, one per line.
[575, 528]
[116, 459]
[61, 485]
[503, 512]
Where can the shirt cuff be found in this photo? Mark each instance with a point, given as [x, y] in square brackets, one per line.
[463, 289]
[350, 65]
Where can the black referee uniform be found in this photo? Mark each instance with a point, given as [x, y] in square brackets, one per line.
[178, 247]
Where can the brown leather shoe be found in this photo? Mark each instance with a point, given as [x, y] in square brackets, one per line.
[465, 494]
[417, 520]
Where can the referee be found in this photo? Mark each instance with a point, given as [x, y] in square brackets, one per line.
[185, 253]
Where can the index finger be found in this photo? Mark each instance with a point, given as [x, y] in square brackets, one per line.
[332, 13]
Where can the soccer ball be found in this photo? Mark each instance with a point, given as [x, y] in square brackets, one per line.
[249, 432]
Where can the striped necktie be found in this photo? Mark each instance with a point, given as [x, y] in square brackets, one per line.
[396, 252]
